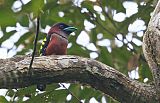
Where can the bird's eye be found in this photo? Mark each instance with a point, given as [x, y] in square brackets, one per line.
[61, 26]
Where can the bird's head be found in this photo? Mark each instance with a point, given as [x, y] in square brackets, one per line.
[62, 29]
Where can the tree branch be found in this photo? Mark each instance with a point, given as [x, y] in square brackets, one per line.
[56, 69]
[151, 47]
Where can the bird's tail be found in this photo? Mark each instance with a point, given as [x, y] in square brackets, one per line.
[41, 87]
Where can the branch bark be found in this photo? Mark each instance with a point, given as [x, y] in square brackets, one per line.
[151, 47]
[56, 69]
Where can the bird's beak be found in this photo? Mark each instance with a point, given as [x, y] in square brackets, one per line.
[70, 29]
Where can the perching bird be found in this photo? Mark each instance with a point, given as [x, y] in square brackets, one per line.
[56, 43]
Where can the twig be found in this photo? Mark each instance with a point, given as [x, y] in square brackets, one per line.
[21, 2]
[106, 14]
[35, 45]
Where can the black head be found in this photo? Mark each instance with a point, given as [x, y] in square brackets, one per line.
[61, 27]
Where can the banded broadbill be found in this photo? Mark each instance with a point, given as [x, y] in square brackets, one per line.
[56, 42]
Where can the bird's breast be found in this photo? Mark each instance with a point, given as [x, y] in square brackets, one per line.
[57, 46]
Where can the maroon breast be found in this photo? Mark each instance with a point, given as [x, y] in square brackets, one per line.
[57, 45]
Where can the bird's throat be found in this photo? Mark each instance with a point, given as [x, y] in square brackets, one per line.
[59, 34]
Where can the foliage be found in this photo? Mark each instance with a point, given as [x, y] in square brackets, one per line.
[73, 13]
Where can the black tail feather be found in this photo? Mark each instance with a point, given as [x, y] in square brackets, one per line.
[41, 87]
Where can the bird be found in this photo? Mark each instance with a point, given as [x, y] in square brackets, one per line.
[55, 43]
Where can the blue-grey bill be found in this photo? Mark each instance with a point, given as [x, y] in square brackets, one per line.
[71, 29]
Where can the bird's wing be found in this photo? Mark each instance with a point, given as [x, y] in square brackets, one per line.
[44, 45]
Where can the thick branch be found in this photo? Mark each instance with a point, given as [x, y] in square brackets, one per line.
[151, 46]
[51, 69]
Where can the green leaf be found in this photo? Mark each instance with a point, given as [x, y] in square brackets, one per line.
[34, 6]
[148, 8]
[87, 93]
[3, 99]
[50, 4]
[105, 57]
[75, 90]
[7, 17]
[40, 98]
[144, 72]
[26, 91]
[121, 57]
[93, 36]
[23, 19]
[115, 4]
[88, 5]
[52, 86]
[59, 96]
[10, 92]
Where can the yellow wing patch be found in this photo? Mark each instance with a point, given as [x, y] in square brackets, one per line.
[42, 45]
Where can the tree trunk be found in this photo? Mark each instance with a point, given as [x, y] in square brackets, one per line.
[151, 47]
